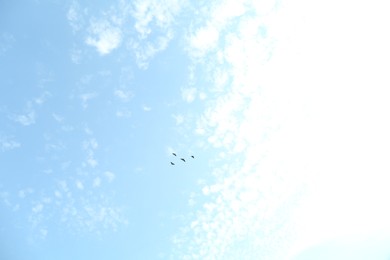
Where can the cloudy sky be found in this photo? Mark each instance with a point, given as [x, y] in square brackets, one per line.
[284, 105]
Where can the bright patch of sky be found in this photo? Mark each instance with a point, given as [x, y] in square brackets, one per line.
[283, 106]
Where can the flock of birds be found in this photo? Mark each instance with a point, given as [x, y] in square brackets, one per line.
[181, 158]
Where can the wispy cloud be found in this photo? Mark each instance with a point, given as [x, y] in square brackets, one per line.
[253, 192]
[272, 121]
[90, 146]
[179, 119]
[25, 119]
[76, 55]
[86, 97]
[41, 99]
[154, 25]
[123, 113]
[146, 108]
[8, 143]
[153, 28]
[109, 175]
[204, 39]
[145, 51]
[96, 182]
[6, 42]
[57, 118]
[75, 16]
[123, 95]
[189, 94]
[149, 12]
[79, 185]
[23, 193]
[104, 36]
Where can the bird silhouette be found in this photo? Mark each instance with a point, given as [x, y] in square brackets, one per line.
[172, 163]
[174, 154]
[192, 156]
[182, 159]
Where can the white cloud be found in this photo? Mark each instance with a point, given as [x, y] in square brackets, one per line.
[86, 97]
[204, 39]
[202, 96]
[146, 108]
[161, 13]
[105, 37]
[75, 55]
[179, 119]
[154, 25]
[37, 208]
[146, 50]
[57, 117]
[25, 119]
[96, 182]
[188, 94]
[6, 42]
[124, 113]
[79, 185]
[40, 100]
[8, 143]
[124, 95]
[302, 106]
[74, 16]
[109, 175]
[24, 192]
[89, 146]
[57, 194]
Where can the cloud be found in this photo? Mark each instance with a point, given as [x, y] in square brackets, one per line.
[79, 185]
[105, 37]
[188, 94]
[75, 55]
[279, 119]
[204, 39]
[75, 17]
[145, 50]
[124, 113]
[40, 100]
[146, 108]
[57, 118]
[6, 42]
[179, 119]
[109, 175]
[8, 143]
[154, 27]
[90, 146]
[162, 14]
[25, 119]
[37, 208]
[24, 192]
[86, 97]
[96, 182]
[123, 95]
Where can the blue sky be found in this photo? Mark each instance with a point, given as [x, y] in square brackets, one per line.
[284, 106]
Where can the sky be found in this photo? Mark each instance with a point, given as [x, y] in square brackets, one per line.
[283, 104]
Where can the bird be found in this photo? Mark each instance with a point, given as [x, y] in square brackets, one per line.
[183, 159]
[192, 156]
[174, 154]
[172, 163]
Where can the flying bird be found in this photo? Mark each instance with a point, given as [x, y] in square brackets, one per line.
[174, 154]
[192, 156]
[172, 163]
[183, 159]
